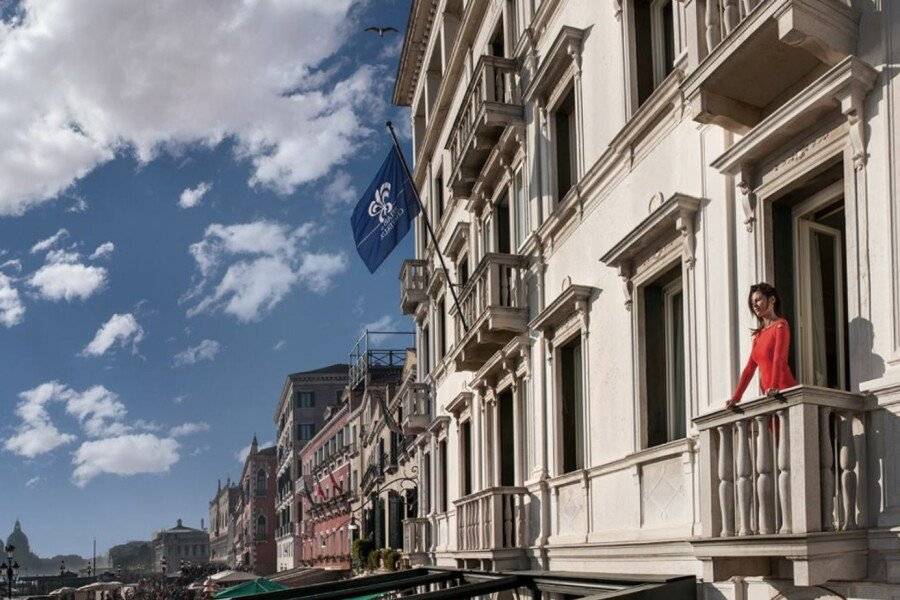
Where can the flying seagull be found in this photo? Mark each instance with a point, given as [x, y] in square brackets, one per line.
[380, 30]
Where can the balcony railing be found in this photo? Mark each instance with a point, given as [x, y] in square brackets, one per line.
[493, 519]
[416, 409]
[416, 535]
[781, 469]
[413, 282]
[493, 307]
[491, 103]
[777, 44]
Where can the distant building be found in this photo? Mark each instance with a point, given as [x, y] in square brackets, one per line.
[304, 399]
[178, 544]
[254, 534]
[31, 563]
[221, 522]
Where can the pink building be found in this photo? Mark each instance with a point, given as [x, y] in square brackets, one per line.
[325, 495]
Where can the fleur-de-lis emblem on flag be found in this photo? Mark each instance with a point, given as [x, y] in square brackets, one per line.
[380, 207]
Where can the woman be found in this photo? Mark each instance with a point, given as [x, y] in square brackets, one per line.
[771, 341]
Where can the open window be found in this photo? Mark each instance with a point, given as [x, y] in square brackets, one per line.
[809, 260]
[465, 467]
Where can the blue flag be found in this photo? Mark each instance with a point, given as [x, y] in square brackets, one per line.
[385, 212]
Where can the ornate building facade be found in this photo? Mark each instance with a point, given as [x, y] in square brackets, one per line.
[222, 511]
[254, 527]
[304, 400]
[606, 179]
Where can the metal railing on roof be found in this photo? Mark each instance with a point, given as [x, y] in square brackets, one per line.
[378, 350]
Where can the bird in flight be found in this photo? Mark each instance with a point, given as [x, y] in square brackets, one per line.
[381, 30]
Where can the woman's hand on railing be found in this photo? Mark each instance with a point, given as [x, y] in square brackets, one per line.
[732, 404]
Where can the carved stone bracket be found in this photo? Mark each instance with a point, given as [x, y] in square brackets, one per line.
[852, 102]
[748, 197]
[627, 287]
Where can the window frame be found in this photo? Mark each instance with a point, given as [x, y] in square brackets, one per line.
[555, 101]
[563, 338]
[670, 258]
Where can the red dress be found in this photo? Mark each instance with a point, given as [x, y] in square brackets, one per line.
[770, 353]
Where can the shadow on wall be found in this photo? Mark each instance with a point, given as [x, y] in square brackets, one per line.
[866, 364]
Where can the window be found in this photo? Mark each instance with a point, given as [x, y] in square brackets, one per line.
[810, 264]
[305, 431]
[426, 350]
[566, 144]
[664, 365]
[438, 199]
[261, 526]
[465, 443]
[572, 388]
[462, 269]
[442, 329]
[305, 399]
[652, 27]
[426, 484]
[503, 229]
[261, 482]
[442, 459]
[523, 221]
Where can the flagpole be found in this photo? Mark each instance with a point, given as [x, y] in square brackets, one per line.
[437, 250]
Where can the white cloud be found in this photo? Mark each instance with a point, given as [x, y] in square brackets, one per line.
[269, 259]
[67, 281]
[205, 350]
[12, 311]
[120, 330]
[191, 197]
[49, 242]
[79, 205]
[36, 434]
[124, 455]
[279, 345]
[13, 263]
[340, 191]
[33, 481]
[83, 85]
[179, 399]
[102, 251]
[99, 411]
[188, 429]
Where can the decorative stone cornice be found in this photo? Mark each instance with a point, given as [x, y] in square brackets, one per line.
[572, 301]
[674, 217]
[564, 52]
[415, 40]
[459, 403]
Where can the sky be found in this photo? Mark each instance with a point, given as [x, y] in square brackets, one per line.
[176, 184]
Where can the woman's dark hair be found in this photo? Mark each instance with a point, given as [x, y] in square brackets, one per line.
[768, 291]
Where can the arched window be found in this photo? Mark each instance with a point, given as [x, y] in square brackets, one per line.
[261, 482]
[261, 526]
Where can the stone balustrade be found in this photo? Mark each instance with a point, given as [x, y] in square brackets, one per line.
[416, 408]
[416, 535]
[492, 519]
[413, 283]
[782, 468]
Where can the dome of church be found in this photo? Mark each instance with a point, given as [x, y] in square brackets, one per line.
[18, 539]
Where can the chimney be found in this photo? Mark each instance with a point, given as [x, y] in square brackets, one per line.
[202, 525]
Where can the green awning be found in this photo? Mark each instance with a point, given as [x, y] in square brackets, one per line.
[251, 588]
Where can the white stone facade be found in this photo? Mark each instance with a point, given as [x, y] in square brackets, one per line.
[606, 179]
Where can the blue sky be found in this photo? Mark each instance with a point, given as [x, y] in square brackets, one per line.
[175, 191]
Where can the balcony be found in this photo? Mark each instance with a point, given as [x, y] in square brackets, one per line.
[779, 45]
[493, 306]
[490, 104]
[493, 521]
[416, 536]
[784, 478]
[413, 283]
[416, 409]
